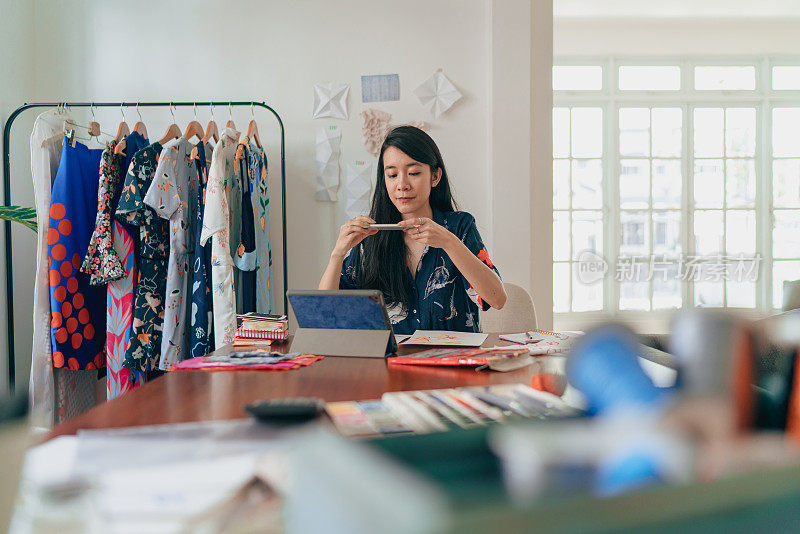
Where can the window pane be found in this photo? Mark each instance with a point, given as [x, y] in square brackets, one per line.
[708, 183]
[708, 232]
[786, 183]
[577, 78]
[740, 235]
[740, 132]
[725, 78]
[667, 233]
[634, 183]
[708, 290]
[784, 78]
[667, 132]
[636, 78]
[708, 132]
[560, 132]
[635, 233]
[741, 294]
[634, 132]
[786, 234]
[561, 296]
[587, 232]
[585, 297]
[667, 183]
[561, 235]
[785, 141]
[561, 184]
[634, 289]
[587, 132]
[781, 272]
[666, 286]
[587, 179]
[740, 184]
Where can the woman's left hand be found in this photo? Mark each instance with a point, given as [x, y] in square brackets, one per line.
[427, 232]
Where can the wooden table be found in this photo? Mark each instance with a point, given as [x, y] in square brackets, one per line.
[187, 396]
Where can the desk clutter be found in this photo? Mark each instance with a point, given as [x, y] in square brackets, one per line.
[248, 361]
[260, 330]
[422, 412]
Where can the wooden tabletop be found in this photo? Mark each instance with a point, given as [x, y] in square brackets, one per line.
[187, 396]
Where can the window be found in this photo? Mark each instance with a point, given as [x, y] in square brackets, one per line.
[577, 203]
[682, 178]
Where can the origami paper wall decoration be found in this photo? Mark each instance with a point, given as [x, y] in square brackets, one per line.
[358, 189]
[375, 128]
[329, 141]
[330, 100]
[380, 88]
[437, 94]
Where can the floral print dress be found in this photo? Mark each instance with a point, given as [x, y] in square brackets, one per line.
[246, 254]
[144, 350]
[121, 292]
[217, 228]
[201, 339]
[172, 196]
[101, 262]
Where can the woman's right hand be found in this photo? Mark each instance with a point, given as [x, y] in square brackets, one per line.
[352, 233]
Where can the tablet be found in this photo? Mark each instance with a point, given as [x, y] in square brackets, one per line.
[342, 309]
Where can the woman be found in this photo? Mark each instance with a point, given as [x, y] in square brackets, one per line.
[436, 272]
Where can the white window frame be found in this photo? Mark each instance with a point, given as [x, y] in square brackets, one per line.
[610, 99]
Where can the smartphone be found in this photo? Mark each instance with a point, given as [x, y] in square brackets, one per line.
[390, 226]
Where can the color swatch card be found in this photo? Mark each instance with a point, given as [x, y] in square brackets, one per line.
[446, 338]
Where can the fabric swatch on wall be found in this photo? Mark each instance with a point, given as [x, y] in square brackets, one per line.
[330, 100]
[329, 141]
[437, 94]
[358, 188]
[374, 129]
[380, 88]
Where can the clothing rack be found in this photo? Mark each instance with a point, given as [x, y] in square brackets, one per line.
[7, 193]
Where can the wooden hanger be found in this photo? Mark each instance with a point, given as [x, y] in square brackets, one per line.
[230, 123]
[193, 129]
[252, 128]
[173, 132]
[252, 132]
[123, 128]
[211, 132]
[139, 127]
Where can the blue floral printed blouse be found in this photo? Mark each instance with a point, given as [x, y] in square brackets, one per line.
[442, 299]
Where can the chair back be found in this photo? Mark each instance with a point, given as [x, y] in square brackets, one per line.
[518, 314]
[791, 295]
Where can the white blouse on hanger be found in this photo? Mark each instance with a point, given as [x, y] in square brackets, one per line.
[46, 144]
[217, 227]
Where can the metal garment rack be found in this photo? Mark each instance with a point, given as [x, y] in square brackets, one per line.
[7, 192]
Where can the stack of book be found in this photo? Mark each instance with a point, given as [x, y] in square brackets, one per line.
[260, 330]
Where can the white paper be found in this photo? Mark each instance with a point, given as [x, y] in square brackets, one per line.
[328, 148]
[446, 338]
[330, 100]
[437, 94]
[358, 189]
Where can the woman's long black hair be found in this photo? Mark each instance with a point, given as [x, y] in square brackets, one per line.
[384, 259]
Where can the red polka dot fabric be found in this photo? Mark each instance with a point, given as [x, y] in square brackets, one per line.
[77, 310]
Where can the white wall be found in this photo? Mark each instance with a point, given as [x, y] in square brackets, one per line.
[16, 20]
[274, 51]
[676, 37]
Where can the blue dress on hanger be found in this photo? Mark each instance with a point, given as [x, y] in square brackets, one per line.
[77, 309]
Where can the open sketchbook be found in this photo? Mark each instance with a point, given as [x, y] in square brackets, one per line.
[446, 338]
